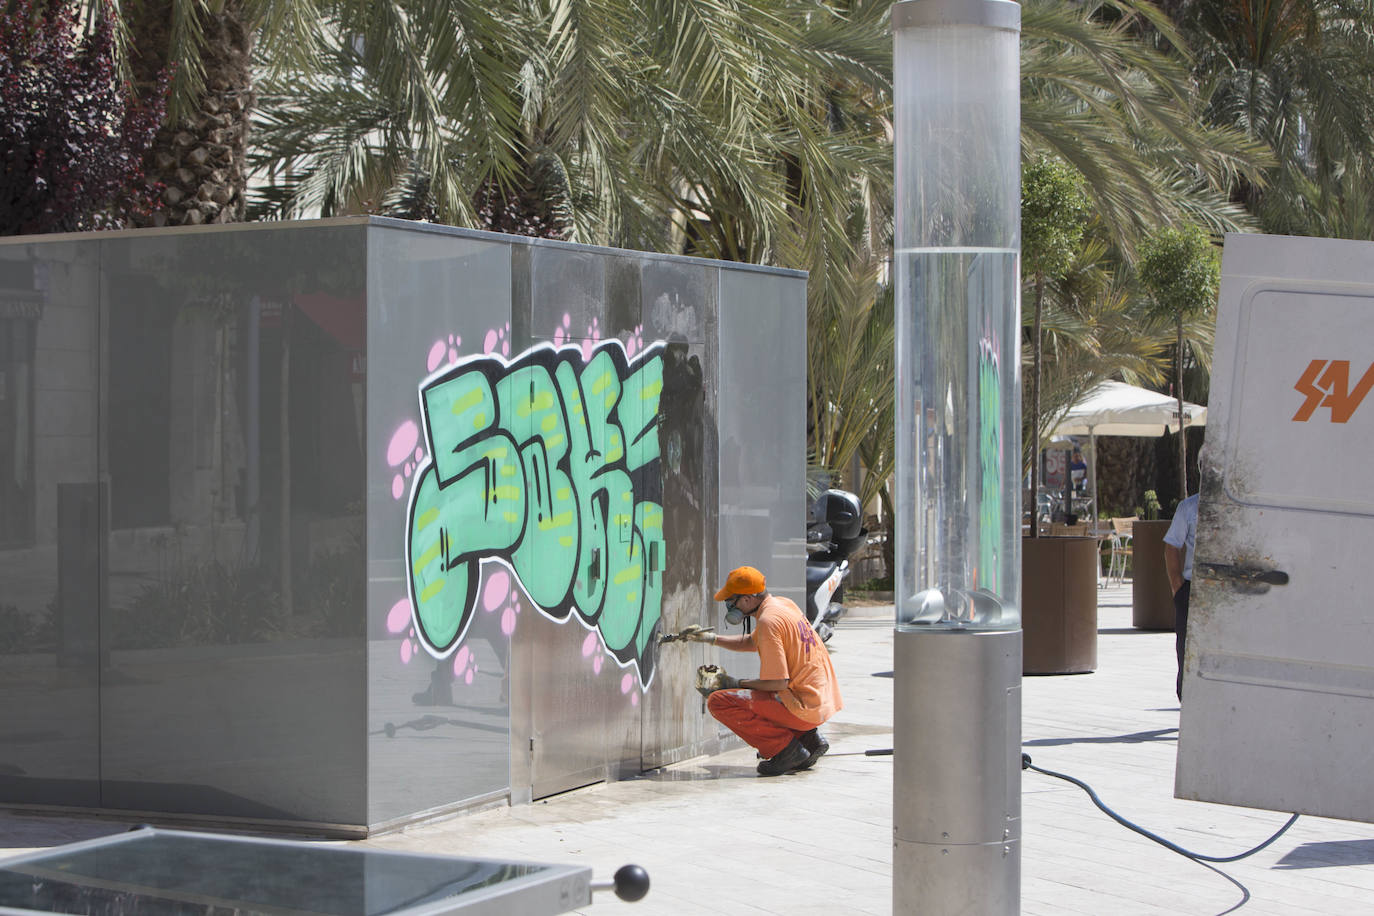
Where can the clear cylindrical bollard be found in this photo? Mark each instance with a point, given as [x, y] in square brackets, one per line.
[958, 323]
[957, 709]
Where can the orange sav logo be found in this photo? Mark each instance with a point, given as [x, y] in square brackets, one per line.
[1326, 383]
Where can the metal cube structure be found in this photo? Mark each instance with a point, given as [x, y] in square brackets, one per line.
[347, 522]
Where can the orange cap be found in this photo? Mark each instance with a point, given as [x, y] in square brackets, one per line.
[746, 580]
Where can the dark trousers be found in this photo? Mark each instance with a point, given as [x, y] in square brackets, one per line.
[1181, 630]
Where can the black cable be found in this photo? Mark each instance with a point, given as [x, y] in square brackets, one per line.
[1027, 765]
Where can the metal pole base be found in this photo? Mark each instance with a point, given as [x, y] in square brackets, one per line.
[956, 796]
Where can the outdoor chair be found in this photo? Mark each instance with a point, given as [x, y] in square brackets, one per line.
[1102, 532]
[1121, 549]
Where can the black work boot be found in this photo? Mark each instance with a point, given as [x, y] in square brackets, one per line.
[786, 760]
[815, 745]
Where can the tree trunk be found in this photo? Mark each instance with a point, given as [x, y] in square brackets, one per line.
[890, 537]
[1178, 387]
[1035, 409]
[197, 158]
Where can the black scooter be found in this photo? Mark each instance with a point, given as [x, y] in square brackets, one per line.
[834, 530]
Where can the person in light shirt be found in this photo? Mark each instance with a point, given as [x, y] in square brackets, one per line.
[1178, 563]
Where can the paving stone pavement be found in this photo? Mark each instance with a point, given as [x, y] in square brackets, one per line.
[716, 839]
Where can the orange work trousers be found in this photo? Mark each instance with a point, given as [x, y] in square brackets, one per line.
[758, 717]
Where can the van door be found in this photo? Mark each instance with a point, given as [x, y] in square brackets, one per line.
[1278, 693]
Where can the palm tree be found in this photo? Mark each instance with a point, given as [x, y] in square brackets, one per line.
[197, 159]
[1127, 118]
[1297, 76]
[752, 131]
[749, 130]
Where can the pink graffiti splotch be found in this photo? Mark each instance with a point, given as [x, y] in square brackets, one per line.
[398, 618]
[563, 333]
[590, 337]
[499, 595]
[594, 649]
[635, 343]
[398, 621]
[591, 647]
[405, 453]
[464, 664]
[442, 351]
[593, 338]
[497, 340]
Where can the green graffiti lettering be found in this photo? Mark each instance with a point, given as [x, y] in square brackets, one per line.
[550, 534]
[990, 456]
[549, 463]
[643, 388]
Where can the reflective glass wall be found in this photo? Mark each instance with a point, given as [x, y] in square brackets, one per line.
[182, 518]
[54, 523]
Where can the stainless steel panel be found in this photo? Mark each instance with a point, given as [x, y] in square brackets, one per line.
[53, 524]
[680, 306]
[982, 880]
[761, 425]
[589, 682]
[956, 819]
[1278, 686]
[675, 726]
[585, 715]
[580, 294]
[568, 294]
[679, 300]
[438, 728]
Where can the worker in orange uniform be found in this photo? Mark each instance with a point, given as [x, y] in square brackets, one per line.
[780, 712]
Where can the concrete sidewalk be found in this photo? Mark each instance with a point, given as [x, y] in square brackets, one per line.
[716, 839]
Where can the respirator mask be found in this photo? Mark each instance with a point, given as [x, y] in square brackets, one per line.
[733, 615]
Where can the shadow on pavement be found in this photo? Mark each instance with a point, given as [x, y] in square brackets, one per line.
[1129, 631]
[1159, 734]
[1323, 855]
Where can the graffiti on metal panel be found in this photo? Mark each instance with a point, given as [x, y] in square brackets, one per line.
[990, 458]
[549, 463]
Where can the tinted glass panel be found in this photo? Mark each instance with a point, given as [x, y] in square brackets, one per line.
[53, 524]
[762, 428]
[162, 874]
[233, 430]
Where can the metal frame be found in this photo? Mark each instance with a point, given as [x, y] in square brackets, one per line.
[555, 889]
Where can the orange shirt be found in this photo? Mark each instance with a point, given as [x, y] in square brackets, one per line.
[790, 650]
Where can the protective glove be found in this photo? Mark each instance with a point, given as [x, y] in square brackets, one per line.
[711, 678]
[693, 633]
[696, 633]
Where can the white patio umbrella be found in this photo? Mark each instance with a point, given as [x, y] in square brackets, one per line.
[1118, 409]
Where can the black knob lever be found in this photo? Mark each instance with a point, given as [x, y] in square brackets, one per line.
[631, 883]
